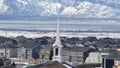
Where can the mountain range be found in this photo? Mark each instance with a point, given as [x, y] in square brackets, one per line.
[63, 8]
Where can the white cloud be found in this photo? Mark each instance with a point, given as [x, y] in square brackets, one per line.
[88, 9]
[43, 3]
[1, 2]
[50, 8]
[69, 11]
[3, 7]
[23, 2]
[84, 9]
[111, 1]
[86, 5]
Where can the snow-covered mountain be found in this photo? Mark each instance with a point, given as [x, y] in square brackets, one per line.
[65, 8]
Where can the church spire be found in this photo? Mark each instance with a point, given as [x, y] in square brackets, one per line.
[58, 31]
[58, 41]
[57, 46]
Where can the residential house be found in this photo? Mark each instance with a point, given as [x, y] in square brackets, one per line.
[72, 55]
[28, 50]
[105, 44]
[9, 51]
[6, 63]
[45, 53]
[116, 63]
[111, 60]
[75, 55]
[97, 56]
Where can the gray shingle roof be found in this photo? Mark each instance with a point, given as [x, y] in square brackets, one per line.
[76, 49]
[29, 45]
[115, 55]
[8, 46]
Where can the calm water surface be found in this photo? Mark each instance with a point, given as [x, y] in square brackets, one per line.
[64, 25]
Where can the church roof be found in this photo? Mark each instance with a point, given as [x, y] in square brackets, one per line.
[50, 64]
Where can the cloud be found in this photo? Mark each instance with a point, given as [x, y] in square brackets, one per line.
[49, 8]
[69, 11]
[110, 1]
[23, 2]
[89, 9]
[73, 8]
[3, 7]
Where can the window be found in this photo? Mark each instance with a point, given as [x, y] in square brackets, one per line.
[29, 55]
[79, 54]
[119, 63]
[43, 56]
[2, 54]
[70, 59]
[23, 55]
[42, 51]
[48, 52]
[56, 51]
[29, 50]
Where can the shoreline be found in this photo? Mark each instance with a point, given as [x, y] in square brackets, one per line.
[81, 34]
[66, 30]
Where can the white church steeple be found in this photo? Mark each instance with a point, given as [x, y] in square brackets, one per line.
[57, 46]
[58, 41]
